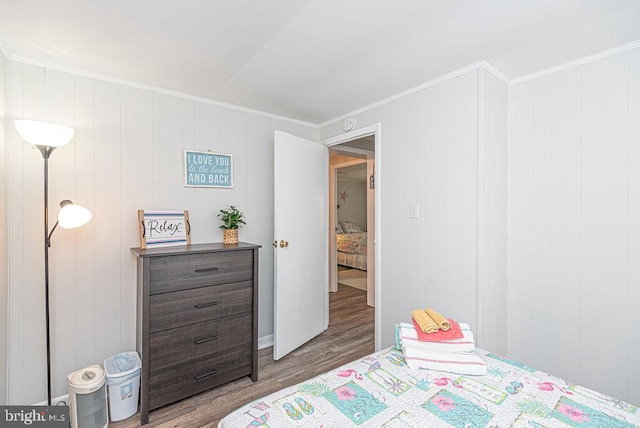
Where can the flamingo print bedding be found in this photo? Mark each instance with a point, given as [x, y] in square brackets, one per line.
[381, 391]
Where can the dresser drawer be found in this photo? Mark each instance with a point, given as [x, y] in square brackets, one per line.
[182, 272]
[179, 345]
[172, 310]
[196, 319]
[199, 375]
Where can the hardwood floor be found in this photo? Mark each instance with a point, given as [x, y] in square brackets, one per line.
[350, 336]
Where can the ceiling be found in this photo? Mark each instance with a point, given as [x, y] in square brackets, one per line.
[311, 60]
[353, 172]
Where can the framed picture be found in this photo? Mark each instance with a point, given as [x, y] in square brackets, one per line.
[208, 169]
[163, 228]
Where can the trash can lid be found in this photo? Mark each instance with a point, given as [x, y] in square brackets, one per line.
[87, 377]
[122, 364]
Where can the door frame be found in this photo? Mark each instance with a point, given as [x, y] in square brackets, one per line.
[376, 131]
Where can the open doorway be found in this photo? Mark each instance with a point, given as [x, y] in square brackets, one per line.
[352, 217]
[301, 169]
[370, 136]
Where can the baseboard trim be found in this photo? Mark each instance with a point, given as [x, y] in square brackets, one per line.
[56, 401]
[265, 341]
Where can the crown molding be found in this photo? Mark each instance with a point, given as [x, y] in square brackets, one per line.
[495, 72]
[156, 89]
[486, 65]
[448, 76]
[578, 62]
[478, 65]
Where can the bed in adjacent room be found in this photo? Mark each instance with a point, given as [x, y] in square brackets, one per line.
[380, 390]
[351, 245]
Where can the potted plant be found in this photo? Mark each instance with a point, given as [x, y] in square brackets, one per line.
[232, 219]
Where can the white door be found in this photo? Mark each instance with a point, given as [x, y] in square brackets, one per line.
[300, 288]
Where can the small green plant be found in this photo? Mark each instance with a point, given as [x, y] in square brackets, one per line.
[232, 218]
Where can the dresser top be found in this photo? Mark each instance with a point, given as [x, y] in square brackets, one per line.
[192, 249]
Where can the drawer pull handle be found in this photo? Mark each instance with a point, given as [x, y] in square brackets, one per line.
[208, 339]
[202, 376]
[211, 269]
[205, 305]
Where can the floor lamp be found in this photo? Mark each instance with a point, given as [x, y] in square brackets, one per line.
[47, 137]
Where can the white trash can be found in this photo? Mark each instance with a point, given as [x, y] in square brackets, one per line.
[123, 384]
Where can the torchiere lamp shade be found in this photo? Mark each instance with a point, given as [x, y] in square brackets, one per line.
[44, 133]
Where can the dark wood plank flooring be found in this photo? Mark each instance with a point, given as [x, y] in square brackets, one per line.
[350, 336]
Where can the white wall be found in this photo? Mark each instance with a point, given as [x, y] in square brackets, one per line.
[560, 288]
[355, 207]
[574, 215]
[428, 156]
[127, 155]
[492, 217]
[4, 275]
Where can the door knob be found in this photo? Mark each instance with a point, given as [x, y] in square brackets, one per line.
[283, 244]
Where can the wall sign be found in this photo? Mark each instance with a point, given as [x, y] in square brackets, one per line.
[163, 228]
[207, 169]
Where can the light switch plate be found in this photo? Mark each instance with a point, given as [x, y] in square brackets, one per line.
[414, 211]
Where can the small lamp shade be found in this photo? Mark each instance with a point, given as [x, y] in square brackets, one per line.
[72, 215]
[44, 133]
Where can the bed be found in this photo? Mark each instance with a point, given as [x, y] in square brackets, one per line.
[379, 390]
[351, 246]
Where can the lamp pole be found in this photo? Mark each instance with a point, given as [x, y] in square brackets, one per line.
[46, 137]
[46, 152]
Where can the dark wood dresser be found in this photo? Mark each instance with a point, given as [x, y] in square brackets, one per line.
[197, 321]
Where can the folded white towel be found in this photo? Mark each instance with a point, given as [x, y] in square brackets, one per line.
[453, 362]
[406, 335]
